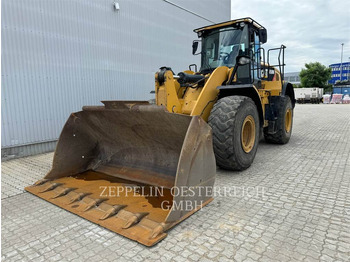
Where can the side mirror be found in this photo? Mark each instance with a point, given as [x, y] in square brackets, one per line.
[194, 46]
[242, 60]
[263, 35]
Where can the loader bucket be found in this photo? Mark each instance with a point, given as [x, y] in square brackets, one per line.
[131, 167]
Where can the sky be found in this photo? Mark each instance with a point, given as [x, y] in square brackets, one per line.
[312, 30]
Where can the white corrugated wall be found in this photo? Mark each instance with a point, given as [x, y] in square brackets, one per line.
[58, 55]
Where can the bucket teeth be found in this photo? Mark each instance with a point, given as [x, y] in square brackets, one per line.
[50, 187]
[41, 182]
[63, 192]
[94, 203]
[112, 211]
[157, 231]
[78, 197]
[160, 229]
[134, 219]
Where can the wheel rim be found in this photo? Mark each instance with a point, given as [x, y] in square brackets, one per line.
[288, 120]
[248, 134]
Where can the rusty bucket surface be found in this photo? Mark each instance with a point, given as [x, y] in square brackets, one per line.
[118, 165]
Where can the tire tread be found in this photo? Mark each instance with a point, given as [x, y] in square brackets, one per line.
[222, 120]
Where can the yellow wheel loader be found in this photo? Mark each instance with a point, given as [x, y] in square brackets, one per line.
[138, 169]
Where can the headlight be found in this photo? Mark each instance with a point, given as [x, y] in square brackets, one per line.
[244, 60]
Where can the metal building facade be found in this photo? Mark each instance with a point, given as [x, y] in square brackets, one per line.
[60, 55]
[340, 72]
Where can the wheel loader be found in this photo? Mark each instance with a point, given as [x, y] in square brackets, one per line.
[139, 169]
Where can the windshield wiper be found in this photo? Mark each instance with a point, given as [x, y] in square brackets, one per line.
[208, 67]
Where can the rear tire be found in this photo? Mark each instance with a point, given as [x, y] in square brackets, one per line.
[284, 123]
[235, 124]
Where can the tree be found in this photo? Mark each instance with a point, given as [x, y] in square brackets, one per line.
[315, 75]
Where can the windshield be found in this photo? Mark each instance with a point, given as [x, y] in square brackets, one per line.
[221, 47]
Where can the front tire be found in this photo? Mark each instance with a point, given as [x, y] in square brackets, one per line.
[235, 124]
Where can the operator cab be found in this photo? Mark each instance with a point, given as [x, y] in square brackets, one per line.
[235, 44]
